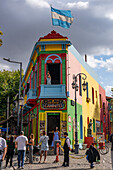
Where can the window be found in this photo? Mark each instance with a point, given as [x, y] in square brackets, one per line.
[93, 125]
[100, 100]
[87, 89]
[96, 93]
[92, 95]
[80, 86]
[63, 47]
[42, 47]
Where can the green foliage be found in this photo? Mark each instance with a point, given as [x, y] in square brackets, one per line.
[9, 86]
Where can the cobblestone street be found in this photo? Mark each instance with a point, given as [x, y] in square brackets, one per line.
[105, 163]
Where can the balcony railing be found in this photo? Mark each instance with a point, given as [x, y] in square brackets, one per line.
[31, 94]
[53, 91]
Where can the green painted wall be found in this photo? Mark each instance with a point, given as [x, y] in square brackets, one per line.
[71, 112]
[42, 71]
[63, 71]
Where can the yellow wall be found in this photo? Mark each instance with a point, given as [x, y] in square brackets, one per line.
[89, 109]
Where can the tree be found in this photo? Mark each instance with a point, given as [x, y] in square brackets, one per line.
[9, 86]
[1, 33]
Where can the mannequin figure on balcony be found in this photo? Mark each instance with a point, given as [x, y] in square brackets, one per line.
[48, 77]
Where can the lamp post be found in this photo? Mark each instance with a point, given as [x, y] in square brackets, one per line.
[21, 103]
[8, 59]
[75, 86]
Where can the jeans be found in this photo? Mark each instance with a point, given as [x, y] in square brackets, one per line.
[0, 164]
[21, 155]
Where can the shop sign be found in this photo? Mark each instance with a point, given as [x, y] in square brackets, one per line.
[53, 104]
[69, 128]
[69, 119]
[63, 128]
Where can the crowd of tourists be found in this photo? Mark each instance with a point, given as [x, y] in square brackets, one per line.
[21, 142]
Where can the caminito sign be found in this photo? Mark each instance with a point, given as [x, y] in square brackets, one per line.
[54, 104]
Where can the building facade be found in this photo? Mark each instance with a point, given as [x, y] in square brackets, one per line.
[47, 106]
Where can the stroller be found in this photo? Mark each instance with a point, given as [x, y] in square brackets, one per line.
[36, 150]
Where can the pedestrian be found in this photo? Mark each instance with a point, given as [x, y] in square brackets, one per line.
[44, 146]
[10, 150]
[48, 77]
[56, 136]
[20, 144]
[3, 150]
[66, 150]
[111, 140]
[31, 144]
[92, 155]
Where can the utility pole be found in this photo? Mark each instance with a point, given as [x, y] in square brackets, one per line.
[7, 113]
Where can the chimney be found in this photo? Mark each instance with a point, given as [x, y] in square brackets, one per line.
[85, 58]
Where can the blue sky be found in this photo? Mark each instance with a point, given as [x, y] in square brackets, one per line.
[24, 21]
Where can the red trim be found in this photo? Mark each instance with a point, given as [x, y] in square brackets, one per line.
[30, 81]
[52, 35]
[61, 72]
[45, 75]
[31, 109]
[29, 127]
[37, 128]
[66, 71]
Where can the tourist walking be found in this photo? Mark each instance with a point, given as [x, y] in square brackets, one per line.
[111, 140]
[20, 144]
[92, 155]
[66, 150]
[3, 150]
[44, 146]
[56, 136]
[10, 150]
[31, 144]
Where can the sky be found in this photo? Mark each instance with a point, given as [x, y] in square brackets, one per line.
[23, 22]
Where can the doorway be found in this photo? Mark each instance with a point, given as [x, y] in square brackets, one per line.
[54, 70]
[53, 121]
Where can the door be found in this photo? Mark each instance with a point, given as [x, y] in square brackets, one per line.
[54, 70]
[53, 121]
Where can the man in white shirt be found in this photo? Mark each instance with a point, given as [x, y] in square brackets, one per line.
[20, 144]
[3, 150]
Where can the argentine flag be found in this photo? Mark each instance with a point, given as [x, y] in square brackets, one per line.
[61, 18]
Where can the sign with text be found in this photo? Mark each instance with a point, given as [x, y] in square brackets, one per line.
[53, 104]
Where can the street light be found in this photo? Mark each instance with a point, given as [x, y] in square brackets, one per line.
[75, 86]
[21, 103]
[8, 59]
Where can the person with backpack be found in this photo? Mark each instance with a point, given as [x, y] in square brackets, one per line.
[10, 150]
[66, 150]
[92, 155]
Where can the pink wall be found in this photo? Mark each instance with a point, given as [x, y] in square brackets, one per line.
[74, 68]
[102, 116]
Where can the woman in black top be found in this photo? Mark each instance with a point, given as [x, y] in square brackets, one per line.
[10, 150]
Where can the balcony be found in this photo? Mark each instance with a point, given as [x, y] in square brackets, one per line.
[31, 94]
[53, 91]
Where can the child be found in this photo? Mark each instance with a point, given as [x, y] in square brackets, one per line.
[92, 155]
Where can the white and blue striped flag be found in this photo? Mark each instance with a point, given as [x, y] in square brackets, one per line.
[61, 18]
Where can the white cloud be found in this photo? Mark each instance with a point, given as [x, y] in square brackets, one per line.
[101, 63]
[80, 5]
[109, 15]
[107, 64]
[3, 66]
[38, 3]
[108, 90]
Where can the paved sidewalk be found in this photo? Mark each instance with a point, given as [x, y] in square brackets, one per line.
[105, 163]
